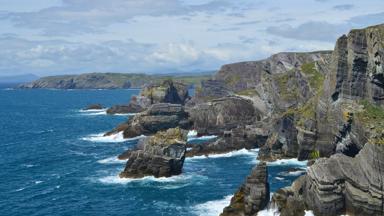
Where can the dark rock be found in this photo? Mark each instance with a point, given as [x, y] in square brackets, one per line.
[222, 114]
[248, 137]
[341, 185]
[161, 116]
[94, 107]
[282, 143]
[162, 155]
[167, 92]
[124, 109]
[252, 196]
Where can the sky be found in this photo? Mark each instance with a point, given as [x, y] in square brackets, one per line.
[49, 37]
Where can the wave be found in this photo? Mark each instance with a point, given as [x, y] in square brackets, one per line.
[192, 133]
[212, 208]
[114, 138]
[202, 138]
[269, 212]
[96, 112]
[241, 152]
[111, 160]
[93, 112]
[288, 162]
[293, 173]
[183, 178]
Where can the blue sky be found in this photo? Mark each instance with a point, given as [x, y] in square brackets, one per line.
[47, 37]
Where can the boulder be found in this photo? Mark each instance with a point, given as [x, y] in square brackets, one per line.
[252, 196]
[94, 107]
[160, 155]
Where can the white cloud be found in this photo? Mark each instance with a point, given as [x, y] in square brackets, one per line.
[73, 36]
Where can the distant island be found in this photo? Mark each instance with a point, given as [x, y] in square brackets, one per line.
[112, 80]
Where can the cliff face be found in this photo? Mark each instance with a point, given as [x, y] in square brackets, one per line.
[327, 107]
[348, 119]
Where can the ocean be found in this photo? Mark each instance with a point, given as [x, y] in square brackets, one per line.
[54, 161]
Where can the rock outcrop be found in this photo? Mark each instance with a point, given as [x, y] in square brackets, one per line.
[222, 114]
[160, 155]
[125, 109]
[242, 137]
[339, 185]
[157, 117]
[94, 107]
[166, 92]
[252, 196]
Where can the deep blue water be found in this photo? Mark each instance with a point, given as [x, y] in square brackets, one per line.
[51, 164]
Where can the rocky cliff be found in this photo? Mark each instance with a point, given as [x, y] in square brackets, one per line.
[335, 118]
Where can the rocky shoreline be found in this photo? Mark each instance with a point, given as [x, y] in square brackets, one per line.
[326, 107]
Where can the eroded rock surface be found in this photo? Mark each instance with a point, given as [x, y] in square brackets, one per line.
[157, 117]
[252, 196]
[160, 155]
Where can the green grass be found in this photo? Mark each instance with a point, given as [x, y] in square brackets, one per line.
[248, 92]
[316, 79]
[314, 154]
[282, 81]
[372, 117]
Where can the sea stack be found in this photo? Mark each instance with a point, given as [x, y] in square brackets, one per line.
[160, 155]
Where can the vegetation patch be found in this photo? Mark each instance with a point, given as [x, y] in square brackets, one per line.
[232, 80]
[288, 90]
[314, 154]
[248, 92]
[316, 79]
[372, 117]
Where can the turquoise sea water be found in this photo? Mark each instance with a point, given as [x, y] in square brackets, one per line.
[54, 162]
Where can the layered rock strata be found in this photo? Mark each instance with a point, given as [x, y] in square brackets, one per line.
[160, 155]
[252, 196]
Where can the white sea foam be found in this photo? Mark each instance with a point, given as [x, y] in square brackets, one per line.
[96, 112]
[20, 189]
[212, 208]
[93, 112]
[288, 162]
[269, 212]
[279, 178]
[210, 137]
[241, 152]
[275, 212]
[38, 182]
[183, 178]
[192, 136]
[111, 160]
[294, 173]
[192, 133]
[124, 114]
[114, 138]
